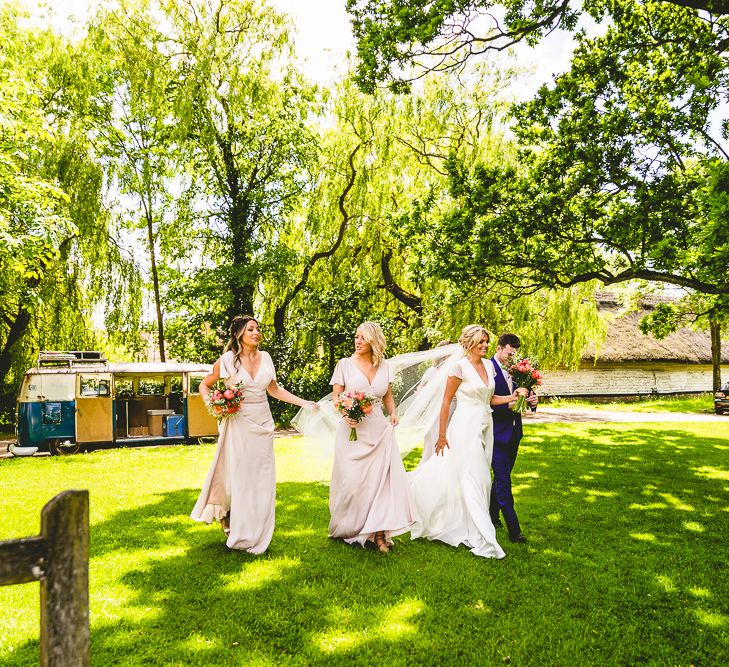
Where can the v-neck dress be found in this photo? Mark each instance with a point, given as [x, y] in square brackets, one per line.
[369, 487]
[450, 492]
[242, 477]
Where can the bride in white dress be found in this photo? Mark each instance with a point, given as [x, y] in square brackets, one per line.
[450, 491]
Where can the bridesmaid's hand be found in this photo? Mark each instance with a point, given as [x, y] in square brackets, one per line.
[310, 405]
[441, 445]
[394, 420]
[521, 391]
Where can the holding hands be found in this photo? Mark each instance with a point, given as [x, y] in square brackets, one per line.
[352, 423]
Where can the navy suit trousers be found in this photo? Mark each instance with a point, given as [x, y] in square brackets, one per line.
[502, 498]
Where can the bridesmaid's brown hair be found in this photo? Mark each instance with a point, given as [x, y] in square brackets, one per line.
[237, 328]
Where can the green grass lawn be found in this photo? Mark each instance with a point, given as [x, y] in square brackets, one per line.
[625, 565]
[689, 404]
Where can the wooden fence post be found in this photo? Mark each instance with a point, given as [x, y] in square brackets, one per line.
[59, 559]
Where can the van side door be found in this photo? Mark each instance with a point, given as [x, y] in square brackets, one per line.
[94, 410]
[199, 421]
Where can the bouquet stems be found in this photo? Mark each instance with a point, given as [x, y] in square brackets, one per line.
[352, 434]
[520, 404]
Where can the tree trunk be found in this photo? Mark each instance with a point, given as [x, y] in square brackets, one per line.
[242, 301]
[241, 223]
[242, 287]
[715, 328]
[155, 284]
[17, 330]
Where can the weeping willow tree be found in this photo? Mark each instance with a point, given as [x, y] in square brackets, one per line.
[136, 130]
[60, 255]
[354, 249]
[384, 165]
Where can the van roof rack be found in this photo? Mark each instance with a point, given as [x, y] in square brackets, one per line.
[70, 357]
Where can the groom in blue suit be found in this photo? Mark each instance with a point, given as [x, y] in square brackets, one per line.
[507, 435]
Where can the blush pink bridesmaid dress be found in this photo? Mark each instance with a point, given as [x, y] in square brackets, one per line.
[242, 476]
[369, 488]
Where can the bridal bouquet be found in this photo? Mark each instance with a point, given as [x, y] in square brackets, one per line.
[525, 373]
[224, 401]
[355, 405]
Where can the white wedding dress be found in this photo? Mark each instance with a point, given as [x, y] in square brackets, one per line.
[450, 492]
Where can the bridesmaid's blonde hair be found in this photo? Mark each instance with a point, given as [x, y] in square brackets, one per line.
[471, 335]
[372, 333]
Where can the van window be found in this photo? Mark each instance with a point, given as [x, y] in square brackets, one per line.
[51, 413]
[152, 386]
[58, 386]
[124, 388]
[94, 386]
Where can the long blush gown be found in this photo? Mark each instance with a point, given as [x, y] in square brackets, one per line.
[242, 476]
[369, 487]
[450, 492]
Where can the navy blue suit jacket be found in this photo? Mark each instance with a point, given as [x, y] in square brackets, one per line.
[507, 423]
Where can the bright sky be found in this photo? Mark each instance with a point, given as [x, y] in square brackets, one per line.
[324, 36]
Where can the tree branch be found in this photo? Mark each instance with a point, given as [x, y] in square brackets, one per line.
[412, 301]
[279, 315]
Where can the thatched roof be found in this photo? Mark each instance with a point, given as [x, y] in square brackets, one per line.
[626, 343]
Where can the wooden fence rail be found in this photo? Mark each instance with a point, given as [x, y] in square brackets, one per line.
[59, 559]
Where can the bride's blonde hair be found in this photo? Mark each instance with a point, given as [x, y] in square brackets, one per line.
[471, 335]
[372, 333]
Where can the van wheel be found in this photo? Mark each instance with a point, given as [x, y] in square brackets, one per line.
[62, 447]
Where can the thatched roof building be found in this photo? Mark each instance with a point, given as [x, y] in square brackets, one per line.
[626, 343]
[629, 363]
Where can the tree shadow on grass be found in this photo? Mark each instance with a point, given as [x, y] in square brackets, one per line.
[625, 543]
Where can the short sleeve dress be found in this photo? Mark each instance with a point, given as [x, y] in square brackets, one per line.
[450, 493]
[242, 477]
[369, 487]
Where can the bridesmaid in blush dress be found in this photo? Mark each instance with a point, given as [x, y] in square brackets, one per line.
[368, 496]
[240, 487]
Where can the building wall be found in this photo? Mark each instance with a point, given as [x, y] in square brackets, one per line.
[629, 378]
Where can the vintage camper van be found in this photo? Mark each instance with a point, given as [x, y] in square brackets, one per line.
[71, 400]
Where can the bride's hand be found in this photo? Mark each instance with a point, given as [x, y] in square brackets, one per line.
[394, 420]
[441, 445]
[352, 423]
[310, 405]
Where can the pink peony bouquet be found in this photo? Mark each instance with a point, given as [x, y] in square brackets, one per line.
[224, 401]
[355, 405]
[524, 373]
